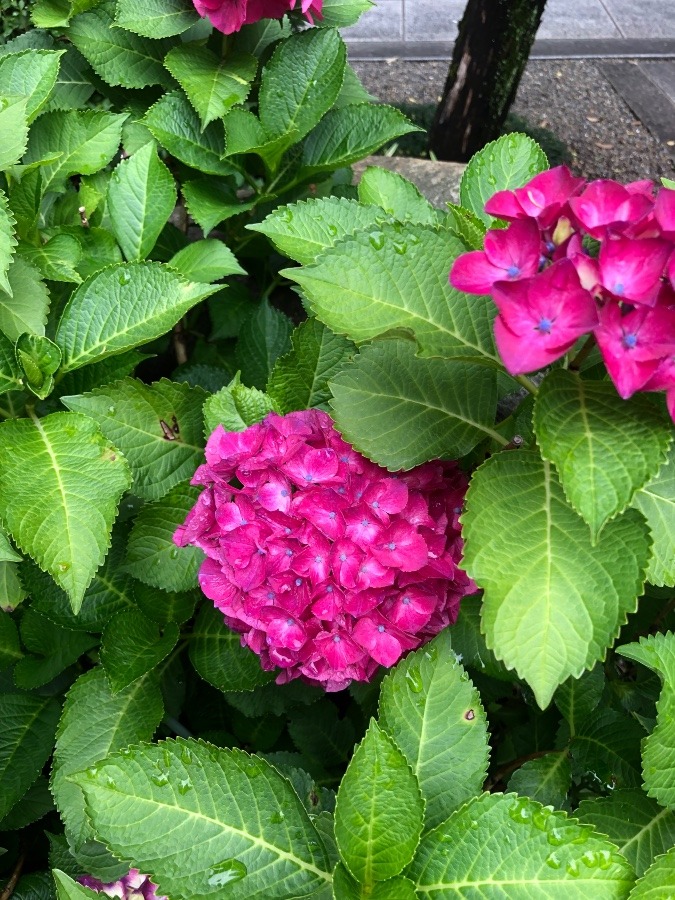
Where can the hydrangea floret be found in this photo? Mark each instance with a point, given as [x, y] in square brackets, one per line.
[230, 15]
[327, 564]
[622, 293]
[133, 886]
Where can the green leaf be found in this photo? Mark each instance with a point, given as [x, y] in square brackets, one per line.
[469, 642]
[10, 373]
[505, 164]
[217, 655]
[25, 309]
[347, 888]
[7, 552]
[401, 410]
[83, 142]
[67, 889]
[347, 135]
[639, 827]
[434, 713]
[467, 226]
[213, 85]
[576, 698]
[156, 18]
[7, 240]
[175, 124]
[158, 427]
[301, 82]
[395, 278]
[604, 448]
[206, 261]
[57, 259]
[546, 779]
[118, 56]
[26, 742]
[541, 575]
[657, 652]
[35, 803]
[245, 134]
[133, 645]
[141, 197]
[352, 90]
[607, 744]
[73, 84]
[342, 13]
[256, 838]
[396, 195]
[12, 592]
[656, 502]
[10, 649]
[60, 485]
[31, 73]
[657, 882]
[499, 845]
[303, 230]
[39, 358]
[210, 202]
[263, 338]
[299, 380]
[122, 307]
[53, 649]
[14, 128]
[163, 607]
[152, 556]
[120, 719]
[236, 406]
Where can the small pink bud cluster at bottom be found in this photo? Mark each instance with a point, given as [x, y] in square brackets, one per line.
[550, 290]
[327, 564]
[133, 886]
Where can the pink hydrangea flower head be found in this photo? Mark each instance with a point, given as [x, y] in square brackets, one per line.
[133, 886]
[508, 254]
[664, 212]
[631, 270]
[326, 564]
[230, 15]
[663, 379]
[607, 204]
[540, 318]
[543, 198]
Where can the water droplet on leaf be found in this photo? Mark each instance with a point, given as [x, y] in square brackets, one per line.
[227, 871]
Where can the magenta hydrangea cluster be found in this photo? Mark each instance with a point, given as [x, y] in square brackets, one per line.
[230, 15]
[552, 284]
[133, 886]
[327, 564]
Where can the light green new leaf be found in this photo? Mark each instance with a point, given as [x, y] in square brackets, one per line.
[302, 230]
[639, 827]
[401, 410]
[657, 652]
[133, 645]
[152, 556]
[206, 261]
[217, 655]
[213, 85]
[243, 822]
[25, 308]
[120, 719]
[553, 602]
[245, 134]
[379, 810]
[141, 197]
[502, 846]
[122, 307]
[67, 889]
[26, 742]
[155, 18]
[31, 73]
[546, 779]
[39, 359]
[658, 883]
[346, 135]
[236, 406]
[263, 338]
[604, 448]
[396, 195]
[656, 502]
[13, 128]
[60, 485]
[80, 142]
[158, 427]
[7, 241]
[342, 13]
[299, 380]
[52, 650]
[301, 82]
[347, 888]
[434, 714]
[210, 202]
[174, 123]
[395, 277]
[505, 164]
[10, 374]
[118, 56]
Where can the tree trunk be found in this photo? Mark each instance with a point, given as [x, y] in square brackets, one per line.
[490, 55]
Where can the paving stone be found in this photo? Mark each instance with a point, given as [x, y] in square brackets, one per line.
[583, 19]
[662, 73]
[640, 18]
[383, 22]
[431, 20]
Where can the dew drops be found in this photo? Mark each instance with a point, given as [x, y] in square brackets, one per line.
[277, 818]
[572, 868]
[184, 785]
[553, 860]
[173, 553]
[63, 566]
[555, 837]
[112, 410]
[226, 872]
[414, 680]
[332, 230]
[161, 779]
[590, 859]
[540, 818]
[186, 756]
[286, 216]
[376, 240]
[400, 247]
[520, 812]
[124, 278]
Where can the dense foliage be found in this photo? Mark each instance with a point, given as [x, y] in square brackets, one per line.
[168, 192]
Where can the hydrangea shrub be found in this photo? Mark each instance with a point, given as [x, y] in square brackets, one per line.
[367, 595]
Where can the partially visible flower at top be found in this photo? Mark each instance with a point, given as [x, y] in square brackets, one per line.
[133, 886]
[543, 198]
[327, 564]
[230, 15]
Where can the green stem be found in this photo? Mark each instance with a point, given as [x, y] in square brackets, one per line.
[529, 385]
[579, 359]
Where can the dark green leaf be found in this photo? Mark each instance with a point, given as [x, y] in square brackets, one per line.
[263, 338]
[132, 645]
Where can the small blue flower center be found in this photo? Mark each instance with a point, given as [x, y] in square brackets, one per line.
[391, 546]
[380, 628]
[284, 492]
[337, 638]
[298, 582]
[513, 271]
[405, 601]
[544, 325]
[619, 289]
[630, 341]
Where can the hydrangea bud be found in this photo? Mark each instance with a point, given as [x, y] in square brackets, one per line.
[133, 886]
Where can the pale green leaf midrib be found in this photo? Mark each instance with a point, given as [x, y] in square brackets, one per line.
[503, 882]
[19, 745]
[644, 830]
